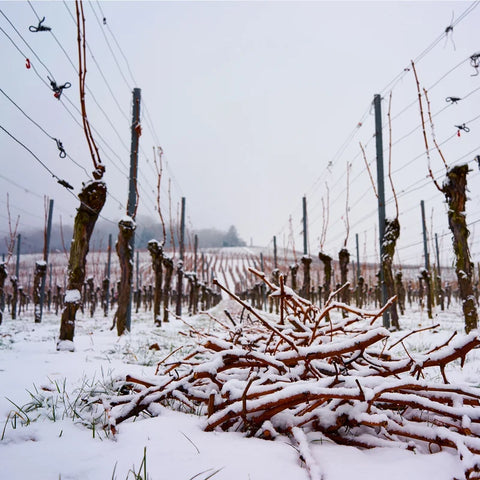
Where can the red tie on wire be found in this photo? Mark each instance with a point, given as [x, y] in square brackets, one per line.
[27, 63]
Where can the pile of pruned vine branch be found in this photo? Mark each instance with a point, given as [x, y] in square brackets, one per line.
[311, 373]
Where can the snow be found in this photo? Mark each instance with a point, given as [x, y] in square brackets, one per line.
[174, 443]
[73, 296]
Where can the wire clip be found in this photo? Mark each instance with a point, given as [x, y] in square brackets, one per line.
[62, 153]
[39, 27]
[65, 184]
[58, 89]
[477, 159]
[475, 63]
[27, 63]
[462, 127]
[452, 100]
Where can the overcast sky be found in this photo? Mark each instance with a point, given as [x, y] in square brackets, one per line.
[255, 104]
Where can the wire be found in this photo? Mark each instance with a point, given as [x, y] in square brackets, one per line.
[26, 190]
[28, 150]
[99, 69]
[110, 48]
[59, 180]
[25, 57]
[26, 43]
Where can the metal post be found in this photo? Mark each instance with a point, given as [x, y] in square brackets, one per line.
[438, 256]
[132, 186]
[377, 102]
[425, 246]
[46, 251]
[109, 258]
[182, 230]
[305, 242]
[358, 256]
[275, 265]
[262, 267]
[178, 309]
[195, 252]
[138, 261]
[17, 265]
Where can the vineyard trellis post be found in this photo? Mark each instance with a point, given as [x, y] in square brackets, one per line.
[17, 265]
[107, 279]
[275, 264]
[15, 281]
[425, 244]
[358, 256]
[426, 273]
[178, 309]
[439, 270]
[46, 252]
[305, 241]
[195, 252]
[377, 99]
[132, 188]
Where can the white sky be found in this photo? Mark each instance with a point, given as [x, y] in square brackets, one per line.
[250, 102]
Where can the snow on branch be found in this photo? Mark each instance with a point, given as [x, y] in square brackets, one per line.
[315, 373]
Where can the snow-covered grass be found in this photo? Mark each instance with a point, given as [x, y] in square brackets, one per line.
[50, 426]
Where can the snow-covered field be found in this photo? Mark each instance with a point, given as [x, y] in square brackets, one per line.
[43, 388]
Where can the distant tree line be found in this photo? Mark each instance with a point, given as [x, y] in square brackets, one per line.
[33, 240]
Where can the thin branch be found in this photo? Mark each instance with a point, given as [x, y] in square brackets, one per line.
[172, 233]
[12, 233]
[433, 129]
[368, 170]
[326, 218]
[390, 155]
[82, 71]
[427, 149]
[159, 168]
[347, 223]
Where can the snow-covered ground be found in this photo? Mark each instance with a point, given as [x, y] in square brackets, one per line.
[43, 387]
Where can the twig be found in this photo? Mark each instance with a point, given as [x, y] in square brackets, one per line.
[427, 149]
[390, 154]
[368, 170]
[433, 129]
